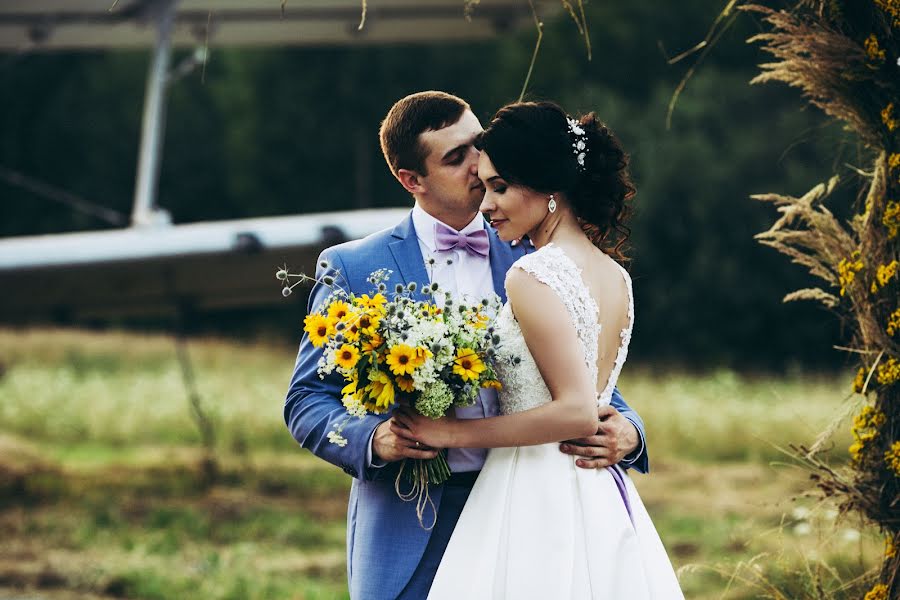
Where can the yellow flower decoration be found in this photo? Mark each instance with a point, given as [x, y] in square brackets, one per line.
[379, 392]
[338, 310]
[878, 592]
[873, 50]
[401, 359]
[346, 356]
[847, 270]
[480, 320]
[890, 550]
[492, 384]
[884, 274]
[891, 8]
[351, 330]
[865, 429]
[891, 218]
[422, 354]
[859, 381]
[892, 458]
[350, 388]
[887, 117]
[888, 372]
[893, 163]
[372, 343]
[467, 364]
[319, 329]
[405, 383]
[375, 304]
[893, 325]
[368, 323]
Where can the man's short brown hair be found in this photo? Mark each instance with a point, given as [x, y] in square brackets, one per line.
[411, 116]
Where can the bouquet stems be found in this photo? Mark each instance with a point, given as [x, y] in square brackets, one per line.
[420, 474]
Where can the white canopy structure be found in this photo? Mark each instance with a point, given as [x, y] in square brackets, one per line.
[154, 266]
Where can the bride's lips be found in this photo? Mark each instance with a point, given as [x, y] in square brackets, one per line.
[497, 222]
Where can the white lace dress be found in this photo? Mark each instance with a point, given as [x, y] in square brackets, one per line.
[536, 526]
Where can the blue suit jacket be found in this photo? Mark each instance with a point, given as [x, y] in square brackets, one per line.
[384, 538]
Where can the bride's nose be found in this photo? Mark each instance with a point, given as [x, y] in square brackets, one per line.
[487, 205]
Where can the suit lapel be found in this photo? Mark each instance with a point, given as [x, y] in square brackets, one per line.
[408, 255]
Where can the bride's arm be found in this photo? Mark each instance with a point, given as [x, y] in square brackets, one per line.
[552, 340]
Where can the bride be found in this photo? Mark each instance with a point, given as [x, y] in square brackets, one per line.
[535, 525]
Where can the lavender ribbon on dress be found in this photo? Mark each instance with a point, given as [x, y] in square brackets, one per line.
[623, 491]
[475, 243]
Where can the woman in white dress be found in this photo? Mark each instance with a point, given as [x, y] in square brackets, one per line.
[535, 525]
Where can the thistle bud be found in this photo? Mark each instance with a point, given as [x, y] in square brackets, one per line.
[286, 292]
[324, 264]
[281, 275]
[382, 287]
[398, 288]
[328, 280]
[339, 327]
[413, 286]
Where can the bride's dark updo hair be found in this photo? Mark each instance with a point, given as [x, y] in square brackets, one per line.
[530, 144]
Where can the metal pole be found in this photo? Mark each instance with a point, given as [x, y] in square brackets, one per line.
[154, 120]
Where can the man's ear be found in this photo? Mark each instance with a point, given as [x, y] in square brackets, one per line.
[410, 180]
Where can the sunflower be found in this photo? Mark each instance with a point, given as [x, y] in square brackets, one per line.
[372, 343]
[422, 354]
[368, 324]
[380, 392]
[405, 383]
[351, 330]
[402, 359]
[492, 384]
[467, 364]
[479, 320]
[346, 356]
[319, 328]
[374, 305]
[338, 310]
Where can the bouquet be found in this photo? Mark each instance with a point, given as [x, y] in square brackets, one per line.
[391, 348]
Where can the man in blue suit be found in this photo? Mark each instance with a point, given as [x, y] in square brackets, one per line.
[427, 141]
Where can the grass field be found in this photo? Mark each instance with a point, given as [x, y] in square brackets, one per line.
[103, 493]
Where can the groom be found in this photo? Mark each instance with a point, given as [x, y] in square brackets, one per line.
[427, 141]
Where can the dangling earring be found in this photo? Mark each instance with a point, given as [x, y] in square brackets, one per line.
[551, 205]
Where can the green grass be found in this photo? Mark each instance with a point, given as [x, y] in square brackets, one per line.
[102, 491]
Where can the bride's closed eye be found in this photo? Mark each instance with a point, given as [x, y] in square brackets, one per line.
[499, 189]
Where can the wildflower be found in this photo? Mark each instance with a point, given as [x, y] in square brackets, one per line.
[401, 359]
[405, 383]
[346, 356]
[891, 8]
[368, 324]
[281, 275]
[372, 343]
[338, 309]
[859, 381]
[893, 325]
[422, 354]
[380, 392]
[890, 550]
[847, 270]
[435, 400]
[319, 329]
[887, 117]
[888, 372]
[891, 218]
[893, 162]
[336, 438]
[374, 305]
[467, 364]
[892, 458]
[884, 274]
[878, 592]
[873, 50]
[492, 384]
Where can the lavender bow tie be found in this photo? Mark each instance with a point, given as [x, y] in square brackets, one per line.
[475, 243]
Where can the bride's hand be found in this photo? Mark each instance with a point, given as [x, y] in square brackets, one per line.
[432, 433]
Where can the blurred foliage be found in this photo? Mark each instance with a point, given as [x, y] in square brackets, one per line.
[279, 131]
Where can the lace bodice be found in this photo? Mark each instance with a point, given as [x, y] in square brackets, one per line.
[523, 386]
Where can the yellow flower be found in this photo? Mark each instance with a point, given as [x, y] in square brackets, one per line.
[888, 372]
[893, 325]
[372, 343]
[492, 384]
[893, 162]
[402, 359]
[859, 381]
[890, 550]
[892, 8]
[319, 328]
[887, 117]
[380, 392]
[883, 275]
[878, 592]
[368, 323]
[338, 310]
[847, 270]
[873, 50]
[892, 458]
[467, 364]
[480, 320]
[422, 354]
[855, 451]
[346, 356]
[891, 218]
[375, 304]
[350, 388]
[405, 383]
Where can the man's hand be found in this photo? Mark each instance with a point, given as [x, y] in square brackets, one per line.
[616, 438]
[389, 447]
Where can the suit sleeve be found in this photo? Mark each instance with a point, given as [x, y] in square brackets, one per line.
[313, 405]
[638, 459]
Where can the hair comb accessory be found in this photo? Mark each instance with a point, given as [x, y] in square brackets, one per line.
[579, 143]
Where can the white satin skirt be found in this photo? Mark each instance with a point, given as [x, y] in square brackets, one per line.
[537, 527]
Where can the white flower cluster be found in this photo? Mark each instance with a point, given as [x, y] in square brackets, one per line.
[579, 146]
